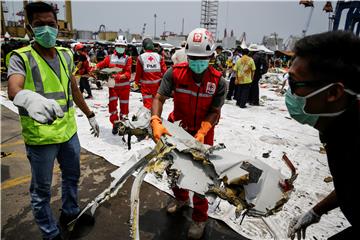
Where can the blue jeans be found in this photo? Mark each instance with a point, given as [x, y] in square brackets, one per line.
[42, 159]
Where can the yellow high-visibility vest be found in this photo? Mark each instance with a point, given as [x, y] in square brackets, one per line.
[42, 79]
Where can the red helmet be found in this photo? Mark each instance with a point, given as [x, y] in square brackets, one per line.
[78, 46]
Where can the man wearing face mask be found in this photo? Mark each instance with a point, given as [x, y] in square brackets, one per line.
[119, 84]
[41, 85]
[199, 93]
[150, 67]
[325, 93]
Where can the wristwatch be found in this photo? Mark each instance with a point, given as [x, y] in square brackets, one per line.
[91, 115]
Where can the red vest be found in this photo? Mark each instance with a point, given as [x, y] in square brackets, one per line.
[192, 102]
[124, 62]
[115, 61]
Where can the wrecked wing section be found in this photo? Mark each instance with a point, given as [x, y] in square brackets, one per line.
[110, 71]
[244, 181]
[193, 175]
[247, 183]
[119, 181]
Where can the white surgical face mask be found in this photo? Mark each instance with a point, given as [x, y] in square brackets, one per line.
[321, 114]
[296, 106]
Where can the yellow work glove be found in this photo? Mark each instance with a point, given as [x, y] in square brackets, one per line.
[157, 128]
[204, 129]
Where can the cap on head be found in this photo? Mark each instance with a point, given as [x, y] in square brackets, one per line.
[148, 44]
[183, 44]
[200, 43]
[79, 46]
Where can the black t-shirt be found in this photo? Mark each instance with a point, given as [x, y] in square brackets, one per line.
[342, 141]
[76, 58]
[100, 54]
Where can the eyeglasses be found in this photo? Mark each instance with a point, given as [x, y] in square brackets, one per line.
[299, 84]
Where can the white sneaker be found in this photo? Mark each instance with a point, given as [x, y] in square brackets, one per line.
[196, 230]
[176, 205]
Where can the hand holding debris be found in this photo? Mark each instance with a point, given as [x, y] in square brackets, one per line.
[204, 129]
[299, 224]
[157, 128]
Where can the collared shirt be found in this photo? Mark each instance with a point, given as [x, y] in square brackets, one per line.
[244, 68]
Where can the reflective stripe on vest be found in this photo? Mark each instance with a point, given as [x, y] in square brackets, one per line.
[186, 91]
[192, 102]
[42, 79]
[147, 96]
[114, 59]
[150, 62]
[150, 81]
[122, 84]
[24, 112]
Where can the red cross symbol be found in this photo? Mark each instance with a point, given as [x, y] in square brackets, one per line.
[150, 58]
[197, 37]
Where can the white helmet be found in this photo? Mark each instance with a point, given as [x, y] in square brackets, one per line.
[200, 43]
[121, 41]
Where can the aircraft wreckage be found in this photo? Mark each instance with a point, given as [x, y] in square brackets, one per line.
[252, 186]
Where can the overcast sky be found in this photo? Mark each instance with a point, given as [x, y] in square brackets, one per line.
[256, 18]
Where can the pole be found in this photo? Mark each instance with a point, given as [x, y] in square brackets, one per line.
[182, 27]
[164, 27]
[330, 22]
[155, 26]
[26, 18]
[308, 21]
[3, 26]
[68, 15]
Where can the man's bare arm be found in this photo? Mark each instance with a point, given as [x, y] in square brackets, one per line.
[327, 204]
[15, 84]
[157, 104]
[213, 116]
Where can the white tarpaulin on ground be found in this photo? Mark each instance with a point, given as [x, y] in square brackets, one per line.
[252, 132]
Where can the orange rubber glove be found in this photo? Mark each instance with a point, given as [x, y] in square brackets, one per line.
[204, 129]
[157, 128]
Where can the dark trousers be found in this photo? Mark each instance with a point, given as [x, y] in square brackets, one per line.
[254, 92]
[242, 94]
[84, 84]
[231, 89]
